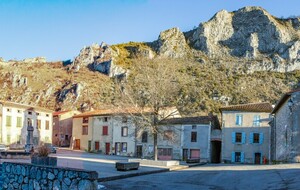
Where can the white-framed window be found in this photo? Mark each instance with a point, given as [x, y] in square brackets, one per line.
[239, 119]
[124, 131]
[256, 121]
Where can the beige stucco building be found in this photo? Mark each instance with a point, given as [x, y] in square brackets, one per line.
[14, 119]
[246, 133]
[62, 127]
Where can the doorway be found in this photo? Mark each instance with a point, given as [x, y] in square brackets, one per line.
[139, 151]
[257, 158]
[107, 148]
[97, 146]
[185, 154]
[216, 151]
[77, 144]
[89, 146]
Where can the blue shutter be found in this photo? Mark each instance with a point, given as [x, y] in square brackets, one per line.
[261, 138]
[237, 119]
[241, 119]
[243, 137]
[233, 137]
[242, 157]
[251, 138]
[233, 157]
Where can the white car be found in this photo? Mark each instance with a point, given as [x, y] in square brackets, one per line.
[3, 148]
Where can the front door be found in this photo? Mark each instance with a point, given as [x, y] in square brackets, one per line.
[139, 151]
[257, 158]
[185, 154]
[77, 144]
[107, 148]
[97, 145]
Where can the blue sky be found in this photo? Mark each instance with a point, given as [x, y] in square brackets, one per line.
[58, 29]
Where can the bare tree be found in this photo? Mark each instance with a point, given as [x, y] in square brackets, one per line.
[152, 88]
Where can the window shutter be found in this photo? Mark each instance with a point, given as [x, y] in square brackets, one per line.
[251, 138]
[242, 157]
[261, 138]
[237, 119]
[243, 137]
[233, 157]
[233, 137]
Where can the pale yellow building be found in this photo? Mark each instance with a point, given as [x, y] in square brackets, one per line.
[14, 119]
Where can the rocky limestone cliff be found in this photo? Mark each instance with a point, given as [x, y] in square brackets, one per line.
[98, 58]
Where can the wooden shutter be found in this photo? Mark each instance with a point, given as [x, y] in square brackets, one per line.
[233, 157]
[242, 157]
[251, 138]
[243, 137]
[233, 137]
[261, 138]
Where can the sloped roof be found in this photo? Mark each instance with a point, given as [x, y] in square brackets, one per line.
[25, 106]
[283, 99]
[60, 112]
[253, 107]
[193, 120]
[113, 111]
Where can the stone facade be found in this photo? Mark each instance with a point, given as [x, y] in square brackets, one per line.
[28, 176]
[286, 132]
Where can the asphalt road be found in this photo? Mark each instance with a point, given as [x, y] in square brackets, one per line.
[216, 177]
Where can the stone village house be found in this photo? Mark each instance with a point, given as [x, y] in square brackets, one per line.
[14, 120]
[184, 138]
[285, 128]
[62, 127]
[109, 131]
[246, 133]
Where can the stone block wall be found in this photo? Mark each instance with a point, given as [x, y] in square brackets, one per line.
[29, 176]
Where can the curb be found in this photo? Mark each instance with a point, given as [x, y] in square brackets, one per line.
[180, 167]
[104, 179]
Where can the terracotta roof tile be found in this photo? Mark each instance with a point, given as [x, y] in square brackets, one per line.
[59, 113]
[253, 107]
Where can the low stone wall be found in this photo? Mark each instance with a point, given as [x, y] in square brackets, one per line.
[15, 155]
[165, 163]
[30, 176]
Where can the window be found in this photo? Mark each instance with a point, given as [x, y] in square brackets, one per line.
[105, 119]
[38, 124]
[47, 125]
[237, 157]
[19, 121]
[256, 120]
[8, 121]
[85, 120]
[165, 151]
[168, 135]
[8, 110]
[124, 119]
[85, 130]
[194, 126]
[145, 137]
[124, 131]
[47, 115]
[105, 130]
[29, 112]
[256, 138]
[8, 138]
[193, 136]
[238, 137]
[239, 119]
[37, 113]
[124, 146]
[19, 111]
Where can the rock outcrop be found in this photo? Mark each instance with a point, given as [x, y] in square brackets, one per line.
[171, 43]
[250, 33]
[98, 58]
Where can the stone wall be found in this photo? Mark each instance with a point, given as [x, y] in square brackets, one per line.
[29, 176]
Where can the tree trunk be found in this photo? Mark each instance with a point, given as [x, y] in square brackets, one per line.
[155, 145]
